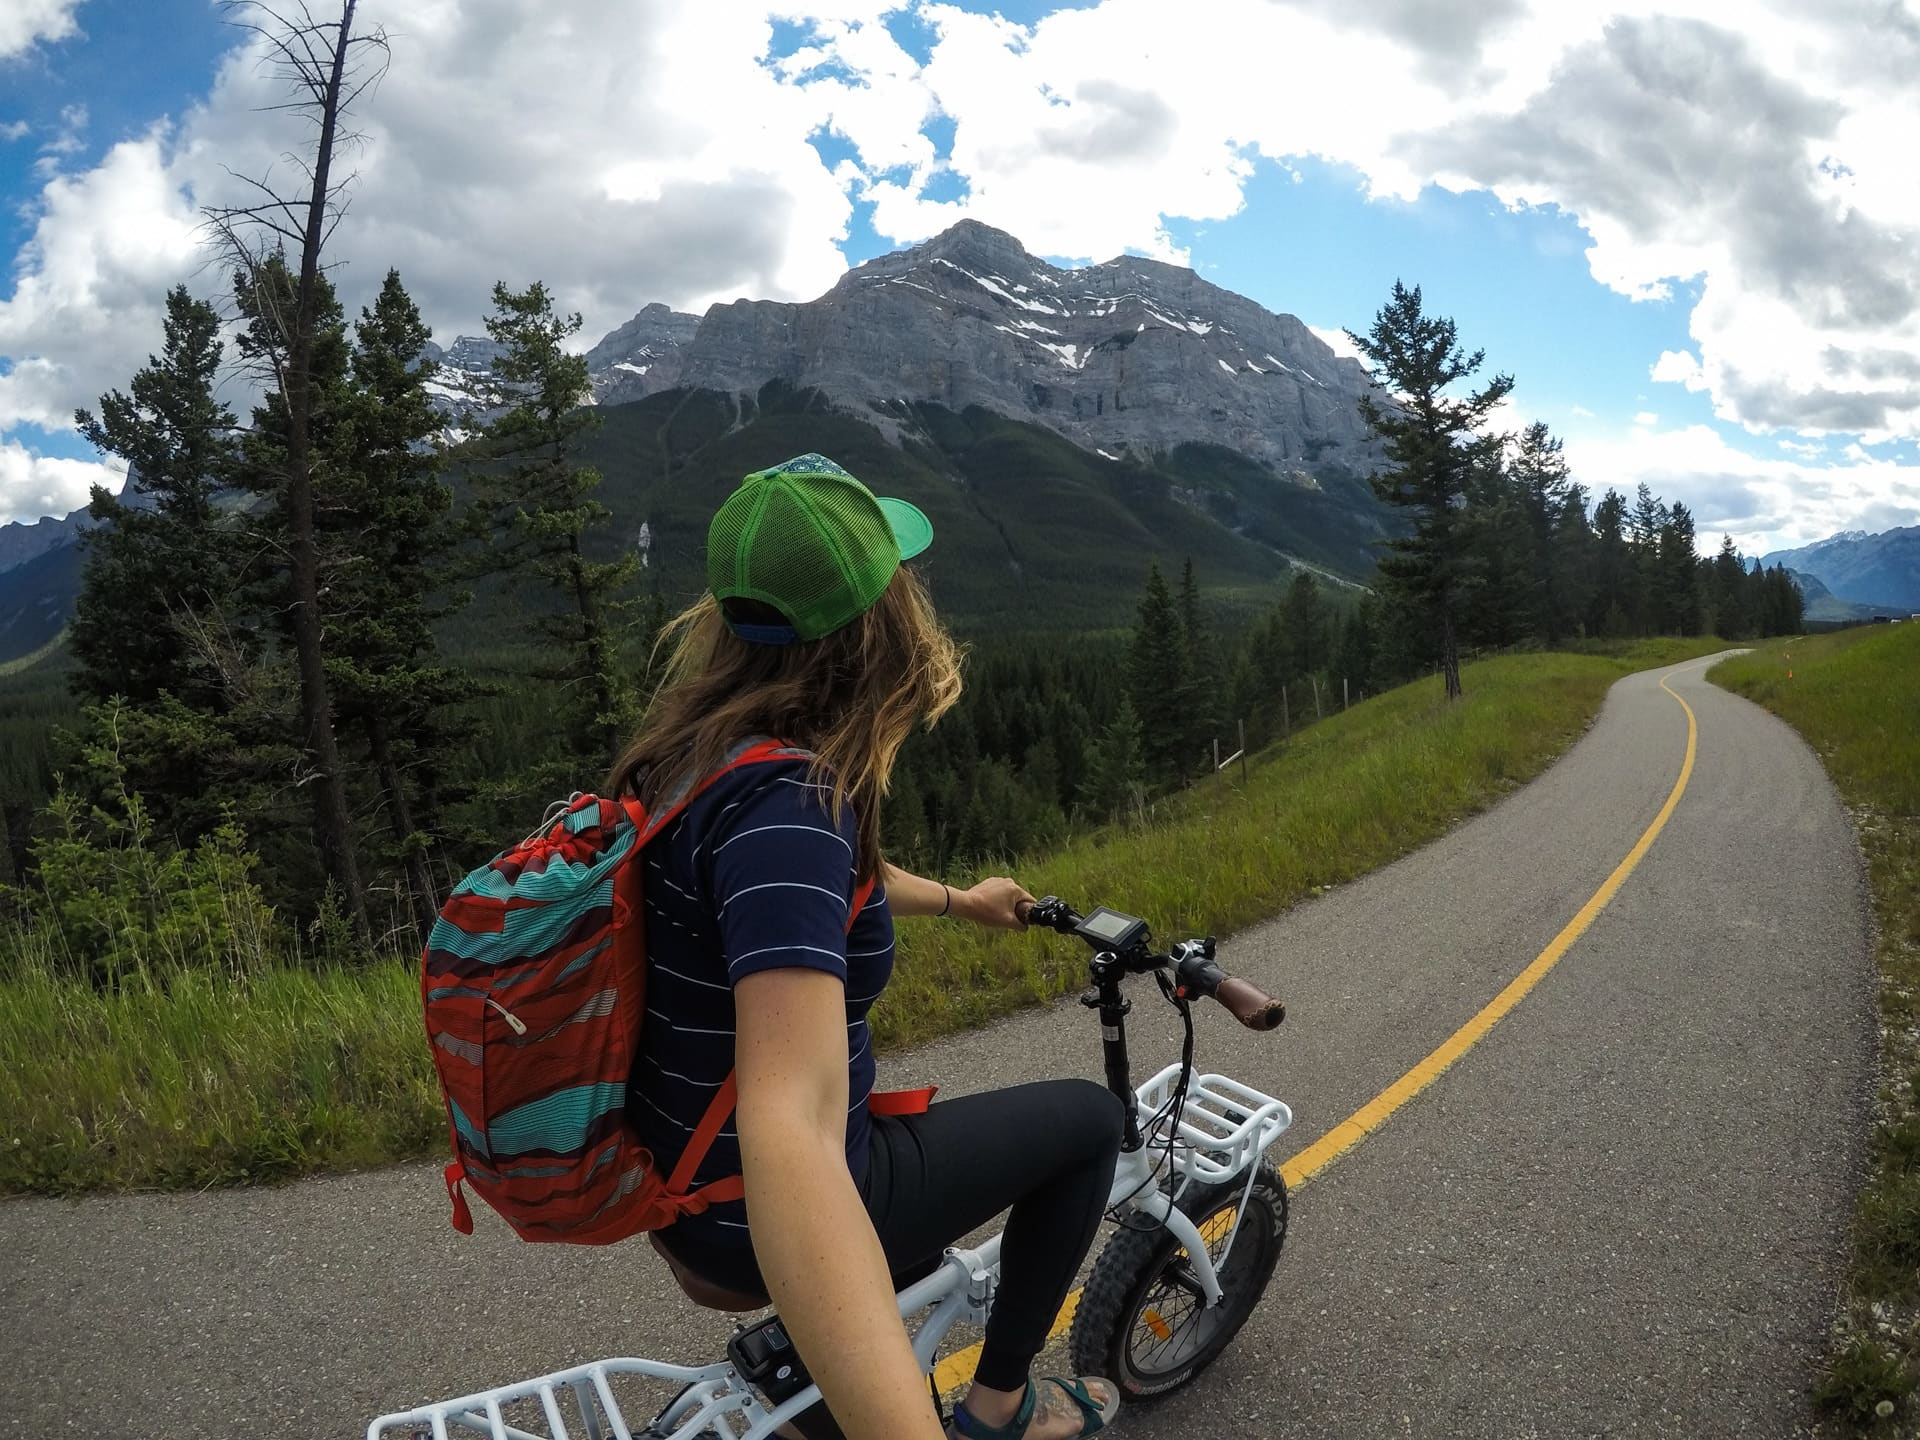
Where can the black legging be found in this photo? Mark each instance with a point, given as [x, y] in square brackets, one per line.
[1045, 1149]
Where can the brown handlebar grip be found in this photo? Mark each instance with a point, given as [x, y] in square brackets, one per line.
[1251, 1005]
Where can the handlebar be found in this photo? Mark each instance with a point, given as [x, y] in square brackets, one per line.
[1195, 972]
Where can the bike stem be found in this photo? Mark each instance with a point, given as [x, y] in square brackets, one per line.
[1105, 996]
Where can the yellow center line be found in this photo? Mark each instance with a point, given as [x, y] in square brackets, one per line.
[957, 1369]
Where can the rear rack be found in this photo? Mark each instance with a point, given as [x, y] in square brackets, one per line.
[1223, 1126]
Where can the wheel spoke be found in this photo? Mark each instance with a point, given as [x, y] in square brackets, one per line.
[1172, 1327]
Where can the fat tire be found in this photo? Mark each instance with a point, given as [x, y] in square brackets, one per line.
[1121, 1277]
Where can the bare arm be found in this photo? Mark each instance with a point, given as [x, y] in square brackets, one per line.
[817, 1250]
[991, 902]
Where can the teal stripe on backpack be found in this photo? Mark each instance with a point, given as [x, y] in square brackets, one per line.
[558, 1122]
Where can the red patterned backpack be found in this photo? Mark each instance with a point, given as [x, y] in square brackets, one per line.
[534, 983]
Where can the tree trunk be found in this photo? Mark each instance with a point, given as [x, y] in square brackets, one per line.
[1450, 657]
[593, 642]
[333, 823]
[16, 821]
[423, 899]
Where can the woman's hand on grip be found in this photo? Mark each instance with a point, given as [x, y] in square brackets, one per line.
[999, 903]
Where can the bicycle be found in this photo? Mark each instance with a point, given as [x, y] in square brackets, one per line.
[1201, 1221]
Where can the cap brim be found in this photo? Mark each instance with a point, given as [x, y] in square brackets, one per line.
[910, 526]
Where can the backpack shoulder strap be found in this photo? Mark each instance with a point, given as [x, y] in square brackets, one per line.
[758, 751]
[732, 1187]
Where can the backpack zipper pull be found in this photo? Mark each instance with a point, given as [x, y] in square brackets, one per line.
[519, 1026]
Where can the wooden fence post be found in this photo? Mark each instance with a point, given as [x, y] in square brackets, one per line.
[1318, 713]
[1286, 717]
[1345, 697]
[1216, 757]
[1243, 753]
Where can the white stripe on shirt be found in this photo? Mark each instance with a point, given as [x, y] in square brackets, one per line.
[780, 885]
[776, 950]
[684, 1029]
[702, 1084]
[810, 829]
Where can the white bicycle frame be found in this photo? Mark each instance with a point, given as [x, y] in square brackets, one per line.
[1223, 1130]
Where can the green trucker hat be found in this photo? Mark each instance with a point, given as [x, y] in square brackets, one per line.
[810, 540]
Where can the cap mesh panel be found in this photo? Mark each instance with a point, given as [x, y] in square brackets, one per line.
[725, 537]
[790, 558]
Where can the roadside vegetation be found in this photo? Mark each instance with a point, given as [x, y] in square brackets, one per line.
[1855, 696]
[128, 1061]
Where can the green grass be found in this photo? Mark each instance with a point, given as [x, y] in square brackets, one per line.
[26, 662]
[294, 1070]
[1855, 696]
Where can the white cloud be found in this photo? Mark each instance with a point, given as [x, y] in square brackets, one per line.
[1757, 151]
[25, 23]
[91, 285]
[1764, 503]
[1646, 419]
[12, 130]
[507, 143]
[1762, 151]
[69, 139]
[1340, 343]
[33, 485]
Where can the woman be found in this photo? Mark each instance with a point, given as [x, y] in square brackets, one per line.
[762, 961]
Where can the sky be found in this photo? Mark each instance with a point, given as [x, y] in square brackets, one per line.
[1689, 230]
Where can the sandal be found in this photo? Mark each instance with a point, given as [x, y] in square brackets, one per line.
[1094, 1413]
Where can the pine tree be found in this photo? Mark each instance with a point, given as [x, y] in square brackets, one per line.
[321, 64]
[1611, 610]
[1539, 473]
[1158, 676]
[1432, 443]
[1116, 764]
[1200, 703]
[1570, 588]
[1502, 592]
[1733, 618]
[158, 570]
[1644, 523]
[1303, 622]
[1678, 592]
[1358, 646]
[389, 681]
[539, 500]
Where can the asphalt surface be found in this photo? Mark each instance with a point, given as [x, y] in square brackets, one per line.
[1622, 1213]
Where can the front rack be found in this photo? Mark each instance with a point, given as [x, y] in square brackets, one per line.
[1222, 1128]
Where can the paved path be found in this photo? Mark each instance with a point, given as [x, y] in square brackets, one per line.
[1622, 1213]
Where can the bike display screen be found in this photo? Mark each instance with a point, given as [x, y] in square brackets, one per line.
[1110, 927]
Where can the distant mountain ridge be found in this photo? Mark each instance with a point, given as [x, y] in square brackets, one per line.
[1064, 425]
[1131, 355]
[1880, 570]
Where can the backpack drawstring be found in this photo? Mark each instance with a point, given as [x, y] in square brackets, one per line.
[554, 812]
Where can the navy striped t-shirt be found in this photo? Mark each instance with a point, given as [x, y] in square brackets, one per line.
[753, 875]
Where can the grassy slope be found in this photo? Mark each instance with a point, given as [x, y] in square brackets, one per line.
[1855, 696]
[306, 1071]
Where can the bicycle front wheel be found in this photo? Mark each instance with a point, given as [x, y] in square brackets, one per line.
[1143, 1320]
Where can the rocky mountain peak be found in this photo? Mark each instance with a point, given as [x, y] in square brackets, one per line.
[1128, 355]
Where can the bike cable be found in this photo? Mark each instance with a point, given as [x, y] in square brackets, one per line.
[1168, 1114]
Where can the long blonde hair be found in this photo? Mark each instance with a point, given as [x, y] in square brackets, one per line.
[851, 698]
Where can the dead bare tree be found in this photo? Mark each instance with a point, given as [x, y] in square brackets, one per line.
[325, 68]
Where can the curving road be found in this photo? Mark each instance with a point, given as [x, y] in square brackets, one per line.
[1622, 1212]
